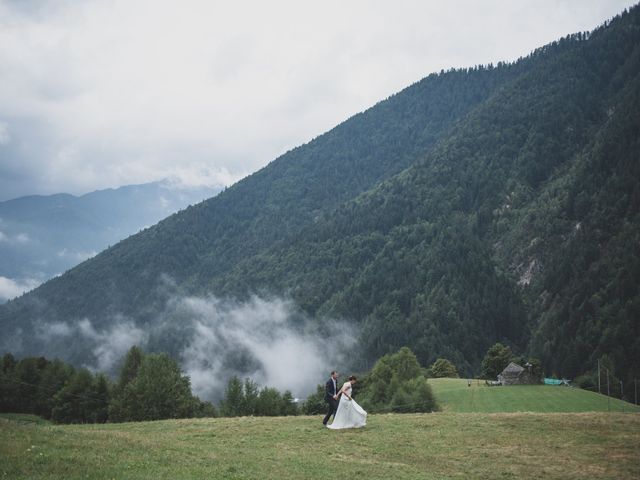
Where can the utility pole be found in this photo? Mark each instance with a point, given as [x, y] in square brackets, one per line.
[599, 376]
[608, 396]
[635, 387]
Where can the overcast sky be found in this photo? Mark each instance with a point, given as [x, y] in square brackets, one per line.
[103, 93]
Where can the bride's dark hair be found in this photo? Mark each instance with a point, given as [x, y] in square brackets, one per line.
[352, 378]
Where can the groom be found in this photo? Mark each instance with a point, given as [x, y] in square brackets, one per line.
[331, 396]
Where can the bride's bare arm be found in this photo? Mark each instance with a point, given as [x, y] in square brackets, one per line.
[344, 390]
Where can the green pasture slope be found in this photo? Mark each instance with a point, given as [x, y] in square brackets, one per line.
[24, 418]
[411, 446]
[454, 395]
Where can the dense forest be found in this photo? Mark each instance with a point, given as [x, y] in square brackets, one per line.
[485, 204]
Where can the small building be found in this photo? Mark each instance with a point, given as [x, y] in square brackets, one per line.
[514, 374]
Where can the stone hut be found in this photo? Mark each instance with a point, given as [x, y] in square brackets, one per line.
[514, 374]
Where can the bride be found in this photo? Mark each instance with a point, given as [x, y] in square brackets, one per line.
[349, 413]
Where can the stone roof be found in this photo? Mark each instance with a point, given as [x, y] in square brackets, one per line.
[513, 369]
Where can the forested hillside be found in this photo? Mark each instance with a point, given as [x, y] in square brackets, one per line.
[522, 225]
[482, 204]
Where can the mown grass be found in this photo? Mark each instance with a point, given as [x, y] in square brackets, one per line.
[425, 446]
[453, 395]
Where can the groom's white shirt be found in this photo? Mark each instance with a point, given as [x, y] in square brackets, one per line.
[335, 386]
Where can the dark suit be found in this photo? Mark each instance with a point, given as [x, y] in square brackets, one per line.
[329, 391]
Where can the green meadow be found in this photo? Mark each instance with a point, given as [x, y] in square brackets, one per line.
[410, 446]
[454, 395]
[481, 432]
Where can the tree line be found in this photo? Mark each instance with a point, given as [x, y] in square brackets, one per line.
[149, 387]
[152, 387]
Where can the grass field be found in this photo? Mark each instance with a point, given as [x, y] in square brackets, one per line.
[411, 446]
[25, 418]
[453, 395]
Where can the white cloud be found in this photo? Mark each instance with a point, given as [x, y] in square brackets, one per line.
[76, 256]
[22, 238]
[5, 138]
[10, 288]
[112, 344]
[19, 238]
[59, 329]
[103, 92]
[267, 340]
[281, 347]
[109, 346]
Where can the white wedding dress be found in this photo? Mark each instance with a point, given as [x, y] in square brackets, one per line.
[349, 413]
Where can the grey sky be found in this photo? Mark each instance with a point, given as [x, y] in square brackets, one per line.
[97, 94]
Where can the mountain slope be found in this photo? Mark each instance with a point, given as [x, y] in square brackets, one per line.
[433, 257]
[43, 236]
[277, 202]
[443, 218]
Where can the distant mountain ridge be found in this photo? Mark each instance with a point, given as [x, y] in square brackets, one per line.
[477, 205]
[45, 235]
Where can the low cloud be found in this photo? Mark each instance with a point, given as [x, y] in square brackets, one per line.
[19, 238]
[5, 137]
[22, 238]
[108, 345]
[112, 345]
[267, 340]
[75, 256]
[10, 288]
[59, 329]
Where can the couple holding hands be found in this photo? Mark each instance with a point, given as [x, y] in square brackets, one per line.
[346, 412]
